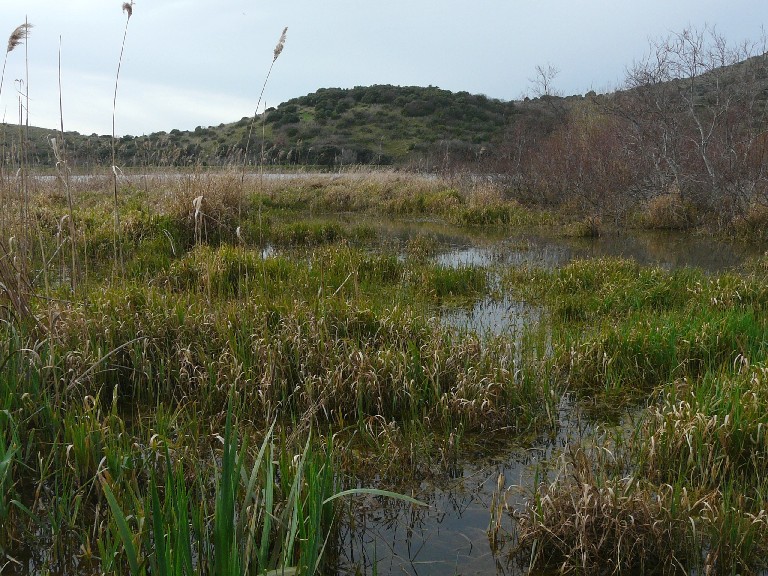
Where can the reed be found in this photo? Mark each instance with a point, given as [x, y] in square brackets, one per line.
[275, 55]
[118, 254]
[19, 37]
[63, 171]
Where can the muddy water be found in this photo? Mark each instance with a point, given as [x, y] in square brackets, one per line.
[450, 536]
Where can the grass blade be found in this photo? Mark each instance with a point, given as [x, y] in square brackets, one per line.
[122, 526]
[375, 492]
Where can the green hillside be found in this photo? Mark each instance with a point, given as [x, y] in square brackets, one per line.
[383, 125]
[333, 126]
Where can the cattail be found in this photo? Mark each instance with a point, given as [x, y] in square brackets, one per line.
[280, 44]
[18, 36]
[128, 8]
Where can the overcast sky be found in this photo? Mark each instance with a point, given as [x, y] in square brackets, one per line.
[191, 63]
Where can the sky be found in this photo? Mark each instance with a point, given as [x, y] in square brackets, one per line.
[189, 63]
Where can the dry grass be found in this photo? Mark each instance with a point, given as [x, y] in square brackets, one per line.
[585, 522]
[591, 227]
[753, 225]
[669, 211]
[15, 291]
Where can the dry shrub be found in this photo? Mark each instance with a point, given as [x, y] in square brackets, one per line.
[669, 211]
[753, 226]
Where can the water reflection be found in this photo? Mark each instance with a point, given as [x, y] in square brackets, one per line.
[494, 316]
[450, 536]
[666, 250]
[528, 251]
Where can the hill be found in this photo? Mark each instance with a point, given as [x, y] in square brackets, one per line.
[384, 125]
[425, 128]
[380, 124]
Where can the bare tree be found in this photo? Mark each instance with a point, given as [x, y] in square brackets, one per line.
[543, 82]
[696, 114]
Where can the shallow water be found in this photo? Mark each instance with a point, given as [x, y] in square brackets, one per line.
[666, 250]
[495, 316]
[451, 535]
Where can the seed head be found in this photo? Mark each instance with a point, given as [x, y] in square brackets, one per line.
[18, 36]
[280, 44]
[128, 8]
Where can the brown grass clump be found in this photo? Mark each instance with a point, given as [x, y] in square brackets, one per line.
[683, 493]
[218, 212]
[753, 225]
[590, 227]
[669, 211]
[584, 522]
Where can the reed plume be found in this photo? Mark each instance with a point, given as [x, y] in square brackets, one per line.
[280, 44]
[18, 36]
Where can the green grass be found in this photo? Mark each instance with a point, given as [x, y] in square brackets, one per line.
[682, 486]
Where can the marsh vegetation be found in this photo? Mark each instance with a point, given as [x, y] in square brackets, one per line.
[266, 345]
